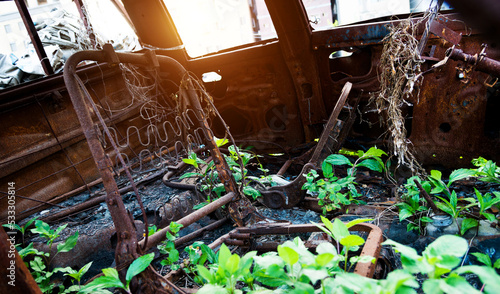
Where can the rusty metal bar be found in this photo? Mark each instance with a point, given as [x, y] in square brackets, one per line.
[240, 236]
[479, 61]
[197, 233]
[15, 277]
[159, 236]
[425, 36]
[285, 167]
[35, 39]
[371, 247]
[220, 240]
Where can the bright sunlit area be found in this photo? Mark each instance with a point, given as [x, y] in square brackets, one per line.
[210, 26]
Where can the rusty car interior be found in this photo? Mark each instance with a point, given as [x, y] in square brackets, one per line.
[102, 142]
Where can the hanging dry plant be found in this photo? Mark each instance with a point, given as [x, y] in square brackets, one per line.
[400, 73]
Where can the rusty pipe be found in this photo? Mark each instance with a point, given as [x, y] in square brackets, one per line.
[480, 62]
[159, 236]
[197, 233]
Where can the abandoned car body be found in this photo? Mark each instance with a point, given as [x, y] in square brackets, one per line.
[62, 134]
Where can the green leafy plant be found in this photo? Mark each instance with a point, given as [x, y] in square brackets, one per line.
[229, 269]
[39, 265]
[238, 161]
[22, 229]
[451, 207]
[437, 263]
[413, 205]
[487, 170]
[294, 269]
[112, 280]
[486, 202]
[198, 253]
[486, 260]
[167, 247]
[334, 192]
[340, 233]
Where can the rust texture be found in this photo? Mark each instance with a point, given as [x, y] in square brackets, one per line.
[15, 277]
[477, 61]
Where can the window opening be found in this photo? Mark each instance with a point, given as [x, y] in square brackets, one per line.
[326, 14]
[59, 27]
[210, 26]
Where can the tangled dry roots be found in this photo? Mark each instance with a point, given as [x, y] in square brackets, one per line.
[400, 73]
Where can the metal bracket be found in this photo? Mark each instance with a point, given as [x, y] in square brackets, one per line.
[330, 141]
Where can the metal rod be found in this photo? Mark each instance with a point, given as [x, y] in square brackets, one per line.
[195, 234]
[159, 236]
[432, 205]
[35, 39]
[480, 62]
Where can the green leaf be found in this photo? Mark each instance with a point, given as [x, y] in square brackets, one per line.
[426, 219]
[12, 227]
[460, 174]
[41, 228]
[101, 283]
[372, 164]
[328, 224]
[446, 252]
[78, 275]
[175, 227]
[338, 159]
[487, 275]
[324, 258]
[289, 255]
[224, 255]
[409, 256]
[221, 142]
[374, 152]
[191, 162]
[268, 259]
[404, 214]
[339, 230]
[110, 272]
[212, 289]
[467, 224]
[435, 174]
[232, 264]
[205, 273]
[358, 221]
[446, 208]
[37, 264]
[138, 266]
[59, 230]
[327, 169]
[173, 255]
[326, 248]
[190, 175]
[68, 244]
[483, 258]
[497, 263]
[250, 191]
[352, 240]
